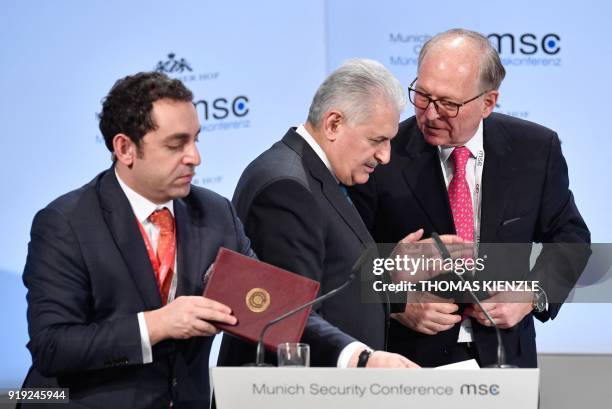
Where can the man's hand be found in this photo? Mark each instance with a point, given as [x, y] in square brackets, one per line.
[505, 308]
[412, 237]
[415, 237]
[414, 247]
[432, 314]
[186, 317]
[382, 359]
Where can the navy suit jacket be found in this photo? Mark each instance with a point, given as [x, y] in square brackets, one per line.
[88, 275]
[525, 199]
[297, 218]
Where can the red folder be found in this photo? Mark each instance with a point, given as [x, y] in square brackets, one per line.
[257, 293]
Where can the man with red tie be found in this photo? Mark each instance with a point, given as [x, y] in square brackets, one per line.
[115, 268]
[457, 167]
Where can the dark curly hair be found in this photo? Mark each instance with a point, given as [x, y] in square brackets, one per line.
[127, 107]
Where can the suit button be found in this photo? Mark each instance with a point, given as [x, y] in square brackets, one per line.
[174, 382]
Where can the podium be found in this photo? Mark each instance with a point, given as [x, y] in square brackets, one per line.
[356, 388]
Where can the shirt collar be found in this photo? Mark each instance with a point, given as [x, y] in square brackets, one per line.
[141, 206]
[474, 145]
[301, 130]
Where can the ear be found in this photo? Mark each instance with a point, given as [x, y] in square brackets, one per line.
[125, 150]
[490, 100]
[332, 123]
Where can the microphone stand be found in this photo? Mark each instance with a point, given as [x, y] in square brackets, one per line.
[260, 353]
[259, 360]
[501, 351]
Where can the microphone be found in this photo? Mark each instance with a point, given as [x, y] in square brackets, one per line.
[501, 351]
[363, 258]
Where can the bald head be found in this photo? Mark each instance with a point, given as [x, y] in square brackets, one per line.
[457, 69]
[455, 64]
[474, 50]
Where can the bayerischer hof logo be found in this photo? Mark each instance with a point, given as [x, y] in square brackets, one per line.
[220, 113]
[173, 65]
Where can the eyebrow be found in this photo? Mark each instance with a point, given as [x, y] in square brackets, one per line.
[446, 98]
[380, 138]
[180, 136]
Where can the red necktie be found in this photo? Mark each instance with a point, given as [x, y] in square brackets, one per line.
[166, 250]
[460, 197]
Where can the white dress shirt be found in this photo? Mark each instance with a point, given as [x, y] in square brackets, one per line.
[473, 175]
[142, 208]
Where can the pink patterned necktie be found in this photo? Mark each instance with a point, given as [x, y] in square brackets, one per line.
[460, 197]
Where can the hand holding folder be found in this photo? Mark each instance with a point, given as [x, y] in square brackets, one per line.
[257, 293]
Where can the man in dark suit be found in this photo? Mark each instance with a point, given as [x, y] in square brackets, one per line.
[115, 268]
[457, 167]
[293, 203]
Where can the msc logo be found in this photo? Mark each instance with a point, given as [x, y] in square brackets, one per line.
[222, 108]
[172, 65]
[482, 389]
[526, 44]
[223, 113]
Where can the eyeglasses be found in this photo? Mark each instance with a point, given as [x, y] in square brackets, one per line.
[443, 107]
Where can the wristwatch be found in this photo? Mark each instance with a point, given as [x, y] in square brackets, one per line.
[539, 303]
[363, 358]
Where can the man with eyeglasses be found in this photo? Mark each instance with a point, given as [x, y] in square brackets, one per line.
[457, 167]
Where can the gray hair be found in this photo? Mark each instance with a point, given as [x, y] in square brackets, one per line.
[353, 89]
[492, 71]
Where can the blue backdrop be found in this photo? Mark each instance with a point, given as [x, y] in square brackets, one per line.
[253, 67]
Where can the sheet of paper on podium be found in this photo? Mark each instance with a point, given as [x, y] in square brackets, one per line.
[467, 364]
[257, 293]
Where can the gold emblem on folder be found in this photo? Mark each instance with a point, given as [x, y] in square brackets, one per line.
[257, 299]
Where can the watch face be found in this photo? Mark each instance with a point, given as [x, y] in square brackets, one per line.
[539, 302]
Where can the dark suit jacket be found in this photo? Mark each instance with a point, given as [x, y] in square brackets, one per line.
[525, 199]
[298, 218]
[88, 275]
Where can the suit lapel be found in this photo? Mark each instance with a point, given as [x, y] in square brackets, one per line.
[189, 248]
[423, 175]
[346, 210]
[329, 185]
[123, 226]
[333, 194]
[495, 177]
